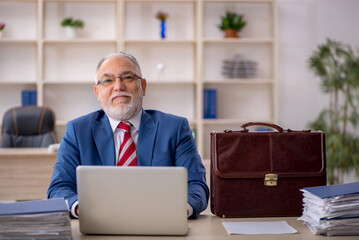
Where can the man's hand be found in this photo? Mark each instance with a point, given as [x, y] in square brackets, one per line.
[77, 211]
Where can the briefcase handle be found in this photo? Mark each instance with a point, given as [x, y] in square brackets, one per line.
[245, 125]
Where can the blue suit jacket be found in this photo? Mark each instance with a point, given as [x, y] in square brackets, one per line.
[163, 140]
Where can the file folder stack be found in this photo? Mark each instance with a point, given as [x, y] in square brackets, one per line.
[42, 219]
[332, 210]
[239, 68]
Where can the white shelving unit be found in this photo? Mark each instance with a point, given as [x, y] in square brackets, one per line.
[36, 55]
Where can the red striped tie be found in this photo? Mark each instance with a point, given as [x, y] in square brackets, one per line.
[128, 149]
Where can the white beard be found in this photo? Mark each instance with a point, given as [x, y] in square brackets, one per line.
[123, 113]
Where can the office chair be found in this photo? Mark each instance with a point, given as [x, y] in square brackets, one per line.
[28, 126]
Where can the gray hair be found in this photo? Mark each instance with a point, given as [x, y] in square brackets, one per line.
[118, 54]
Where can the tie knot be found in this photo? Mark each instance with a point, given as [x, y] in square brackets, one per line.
[124, 126]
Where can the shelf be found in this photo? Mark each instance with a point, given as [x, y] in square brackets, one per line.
[17, 83]
[240, 1]
[160, 41]
[232, 121]
[83, 1]
[76, 82]
[160, 1]
[240, 81]
[30, 1]
[79, 40]
[9, 40]
[239, 40]
[169, 82]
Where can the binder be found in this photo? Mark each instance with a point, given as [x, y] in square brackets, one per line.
[33, 207]
[210, 103]
[29, 98]
[334, 190]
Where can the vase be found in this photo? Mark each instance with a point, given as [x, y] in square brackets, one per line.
[0, 34]
[230, 33]
[70, 32]
[163, 29]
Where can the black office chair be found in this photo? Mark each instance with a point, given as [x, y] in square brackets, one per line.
[28, 126]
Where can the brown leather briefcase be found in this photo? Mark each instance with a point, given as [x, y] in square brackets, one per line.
[259, 174]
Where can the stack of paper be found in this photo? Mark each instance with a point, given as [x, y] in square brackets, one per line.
[332, 210]
[42, 219]
[239, 68]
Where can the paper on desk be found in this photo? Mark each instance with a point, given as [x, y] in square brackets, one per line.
[278, 227]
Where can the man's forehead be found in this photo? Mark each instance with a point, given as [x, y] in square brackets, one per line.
[117, 61]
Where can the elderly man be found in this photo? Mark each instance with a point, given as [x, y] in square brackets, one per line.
[124, 134]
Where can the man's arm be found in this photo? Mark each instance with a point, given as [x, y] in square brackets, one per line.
[63, 182]
[187, 155]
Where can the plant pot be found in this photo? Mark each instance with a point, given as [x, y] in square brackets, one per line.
[70, 32]
[230, 33]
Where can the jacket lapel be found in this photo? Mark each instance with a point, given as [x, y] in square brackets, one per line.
[146, 139]
[103, 137]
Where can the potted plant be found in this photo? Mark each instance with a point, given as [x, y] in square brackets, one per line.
[2, 26]
[337, 65]
[71, 25]
[231, 24]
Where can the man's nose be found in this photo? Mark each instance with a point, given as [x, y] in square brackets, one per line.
[118, 84]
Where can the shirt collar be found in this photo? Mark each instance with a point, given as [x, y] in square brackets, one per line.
[135, 121]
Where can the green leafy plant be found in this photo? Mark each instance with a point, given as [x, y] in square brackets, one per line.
[337, 65]
[232, 21]
[74, 23]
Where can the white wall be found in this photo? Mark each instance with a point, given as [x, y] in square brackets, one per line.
[303, 25]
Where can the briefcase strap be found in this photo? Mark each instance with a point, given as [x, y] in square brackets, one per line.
[276, 127]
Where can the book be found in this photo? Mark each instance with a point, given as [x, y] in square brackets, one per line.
[37, 206]
[209, 103]
[332, 210]
[40, 219]
[29, 98]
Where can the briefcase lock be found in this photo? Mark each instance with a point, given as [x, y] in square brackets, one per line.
[270, 180]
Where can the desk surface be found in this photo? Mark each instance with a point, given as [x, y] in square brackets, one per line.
[209, 227]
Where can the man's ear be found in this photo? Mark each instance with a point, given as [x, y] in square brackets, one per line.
[144, 85]
[97, 92]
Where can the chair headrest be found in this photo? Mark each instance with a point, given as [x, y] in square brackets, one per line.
[29, 120]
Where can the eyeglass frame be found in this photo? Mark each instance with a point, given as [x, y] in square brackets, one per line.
[100, 82]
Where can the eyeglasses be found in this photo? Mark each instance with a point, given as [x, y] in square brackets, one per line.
[125, 78]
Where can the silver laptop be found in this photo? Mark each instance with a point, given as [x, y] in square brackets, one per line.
[132, 200]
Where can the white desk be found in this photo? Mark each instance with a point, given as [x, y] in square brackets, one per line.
[209, 227]
[25, 173]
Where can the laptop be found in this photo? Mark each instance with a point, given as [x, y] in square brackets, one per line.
[132, 200]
